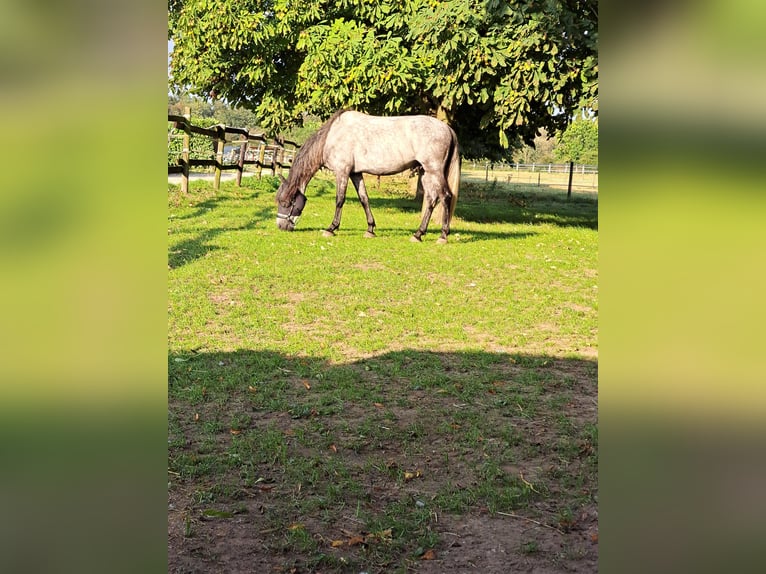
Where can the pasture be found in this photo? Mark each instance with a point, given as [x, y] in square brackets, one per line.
[348, 404]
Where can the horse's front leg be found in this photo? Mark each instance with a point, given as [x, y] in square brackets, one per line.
[361, 191]
[341, 182]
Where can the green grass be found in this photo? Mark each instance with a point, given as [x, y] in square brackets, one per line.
[357, 386]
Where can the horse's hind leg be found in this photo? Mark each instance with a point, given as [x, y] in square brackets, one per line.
[446, 198]
[435, 187]
[431, 203]
[341, 182]
[361, 191]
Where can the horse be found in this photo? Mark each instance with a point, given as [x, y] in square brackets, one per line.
[351, 143]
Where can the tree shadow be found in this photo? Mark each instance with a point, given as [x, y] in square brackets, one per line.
[409, 367]
[274, 437]
[404, 233]
[503, 203]
[189, 250]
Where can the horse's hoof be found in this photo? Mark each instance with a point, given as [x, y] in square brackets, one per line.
[369, 234]
[441, 241]
[415, 239]
[328, 233]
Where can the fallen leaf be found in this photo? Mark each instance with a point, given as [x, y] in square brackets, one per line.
[428, 555]
[355, 540]
[379, 405]
[251, 388]
[383, 535]
[333, 448]
[410, 475]
[196, 417]
[337, 543]
[306, 384]
[235, 431]
[295, 526]
[266, 487]
[594, 537]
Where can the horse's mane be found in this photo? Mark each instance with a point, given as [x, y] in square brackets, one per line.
[309, 158]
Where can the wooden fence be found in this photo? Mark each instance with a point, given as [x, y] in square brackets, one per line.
[254, 149]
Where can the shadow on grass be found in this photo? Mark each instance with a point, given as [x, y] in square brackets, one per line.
[225, 368]
[189, 250]
[507, 203]
[456, 235]
[396, 452]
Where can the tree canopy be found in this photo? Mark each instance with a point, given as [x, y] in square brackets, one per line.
[579, 142]
[497, 71]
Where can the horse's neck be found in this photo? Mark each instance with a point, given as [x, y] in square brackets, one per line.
[299, 184]
[302, 180]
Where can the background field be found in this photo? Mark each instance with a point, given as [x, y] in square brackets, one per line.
[352, 404]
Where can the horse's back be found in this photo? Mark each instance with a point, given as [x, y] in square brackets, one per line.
[382, 145]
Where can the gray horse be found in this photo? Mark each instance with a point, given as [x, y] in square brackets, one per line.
[351, 143]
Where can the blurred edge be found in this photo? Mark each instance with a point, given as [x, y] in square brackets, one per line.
[82, 242]
[682, 371]
[83, 306]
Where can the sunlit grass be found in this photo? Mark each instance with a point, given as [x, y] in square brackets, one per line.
[353, 385]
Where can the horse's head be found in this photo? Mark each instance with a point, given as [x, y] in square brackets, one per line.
[290, 204]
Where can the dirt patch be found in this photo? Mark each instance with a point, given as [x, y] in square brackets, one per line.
[500, 544]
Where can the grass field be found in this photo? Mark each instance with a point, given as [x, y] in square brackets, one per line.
[348, 404]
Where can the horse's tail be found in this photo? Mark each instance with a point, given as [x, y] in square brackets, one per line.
[453, 172]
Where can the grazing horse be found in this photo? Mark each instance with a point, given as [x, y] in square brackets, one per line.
[351, 143]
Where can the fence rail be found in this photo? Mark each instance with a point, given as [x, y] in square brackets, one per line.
[536, 167]
[254, 149]
[564, 175]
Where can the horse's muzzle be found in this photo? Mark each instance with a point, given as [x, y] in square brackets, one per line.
[287, 217]
[286, 222]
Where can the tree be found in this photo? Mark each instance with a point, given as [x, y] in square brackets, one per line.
[541, 152]
[497, 71]
[579, 142]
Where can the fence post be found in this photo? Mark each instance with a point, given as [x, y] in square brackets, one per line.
[273, 161]
[241, 162]
[569, 187]
[220, 138]
[280, 154]
[185, 152]
[261, 158]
